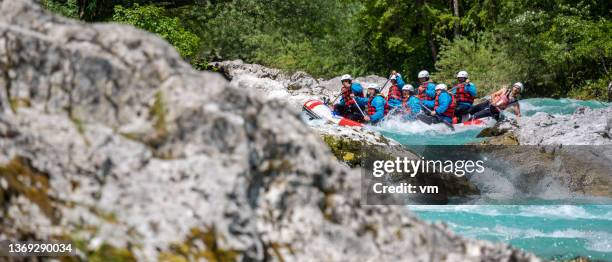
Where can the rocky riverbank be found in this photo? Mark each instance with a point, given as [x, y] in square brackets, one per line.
[586, 126]
[582, 170]
[571, 150]
[109, 139]
[295, 90]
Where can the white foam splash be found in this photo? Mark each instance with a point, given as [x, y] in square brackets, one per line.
[396, 124]
[568, 212]
[598, 241]
[564, 212]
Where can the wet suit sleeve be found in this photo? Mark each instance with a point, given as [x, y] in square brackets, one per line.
[445, 100]
[378, 103]
[361, 101]
[471, 89]
[400, 81]
[431, 91]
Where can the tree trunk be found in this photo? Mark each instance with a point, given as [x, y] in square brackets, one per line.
[428, 31]
[82, 5]
[432, 44]
[458, 17]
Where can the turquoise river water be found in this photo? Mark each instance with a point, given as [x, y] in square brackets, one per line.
[556, 232]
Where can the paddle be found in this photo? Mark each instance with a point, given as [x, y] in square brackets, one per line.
[334, 101]
[382, 90]
[358, 107]
[312, 115]
[437, 117]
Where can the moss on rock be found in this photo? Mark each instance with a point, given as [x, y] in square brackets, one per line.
[108, 253]
[158, 115]
[189, 251]
[23, 179]
[350, 151]
[17, 102]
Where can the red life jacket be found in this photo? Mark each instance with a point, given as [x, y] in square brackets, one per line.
[450, 111]
[348, 101]
[461, 95]
[372, 110]
[505, 100]
[423, 95]
[394, 91]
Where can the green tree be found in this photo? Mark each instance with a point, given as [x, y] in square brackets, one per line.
[317, 36]
[488, 65]
[68, 8]
[153, 19]
[560, 48]
[557, 47]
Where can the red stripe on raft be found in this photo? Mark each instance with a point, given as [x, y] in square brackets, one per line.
[473, 122]
[312, 104]
[348, 122]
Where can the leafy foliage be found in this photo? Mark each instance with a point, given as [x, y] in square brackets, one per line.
[560, 51]
[152, 19]
[317, 36]
[556, 47]
[488, 65]
[68, 8]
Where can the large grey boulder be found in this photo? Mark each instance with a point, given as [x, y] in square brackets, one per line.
[108, 138]
[585, 127]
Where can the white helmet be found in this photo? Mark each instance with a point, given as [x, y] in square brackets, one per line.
[423, 74]
[373, 86]
[408, 87]
[463, 74]
[519, 85]
[393, 77]
[441, 87]
[346, 77]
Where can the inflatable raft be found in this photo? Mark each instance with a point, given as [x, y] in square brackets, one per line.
[318, 109]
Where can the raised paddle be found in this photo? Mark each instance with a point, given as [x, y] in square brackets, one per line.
[334, 101]
[382, 89]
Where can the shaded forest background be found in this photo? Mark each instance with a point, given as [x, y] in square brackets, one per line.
[558, 48]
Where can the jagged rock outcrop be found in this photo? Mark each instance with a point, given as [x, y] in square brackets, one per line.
[296, 88]
[574, 150]
[109, 139]
[586, 126]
